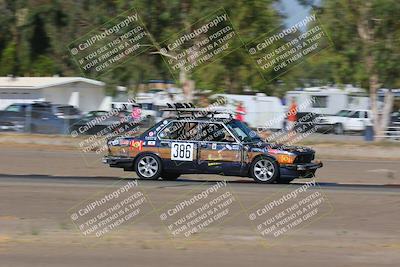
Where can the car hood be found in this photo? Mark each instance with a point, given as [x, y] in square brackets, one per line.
[331, 119]
[278, 148]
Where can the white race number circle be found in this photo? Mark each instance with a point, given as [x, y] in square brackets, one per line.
[182, 151]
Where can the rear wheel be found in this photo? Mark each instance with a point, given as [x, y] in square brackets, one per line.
[169, 176]
[148, 167]
[264, 170]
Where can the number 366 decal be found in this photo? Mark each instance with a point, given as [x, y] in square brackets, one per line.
[182, 151]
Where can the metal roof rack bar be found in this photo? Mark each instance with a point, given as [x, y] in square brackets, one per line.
[184, 108]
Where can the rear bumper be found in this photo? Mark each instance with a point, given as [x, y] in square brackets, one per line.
[119, 162]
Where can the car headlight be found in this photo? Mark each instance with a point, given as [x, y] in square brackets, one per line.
[285, 158]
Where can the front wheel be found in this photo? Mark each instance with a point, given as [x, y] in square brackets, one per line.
[338, 128]
[264, 170]
[148, 167]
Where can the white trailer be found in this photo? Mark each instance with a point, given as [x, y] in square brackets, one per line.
[262, 111]
[328, 100]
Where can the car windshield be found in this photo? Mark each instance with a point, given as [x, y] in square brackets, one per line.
[13, 108]
[67, 110]
[242, 131]
[343, 113]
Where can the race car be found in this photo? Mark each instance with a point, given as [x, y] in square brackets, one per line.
[205, 141]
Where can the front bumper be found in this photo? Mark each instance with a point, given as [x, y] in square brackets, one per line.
[308, 166]
[304, 170]
[11, 127]
[324, 127]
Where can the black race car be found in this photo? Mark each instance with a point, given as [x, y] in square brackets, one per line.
[208, 142]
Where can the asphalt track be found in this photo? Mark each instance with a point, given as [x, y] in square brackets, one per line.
[186, 183]
[38, 188]
[360, 228]
[25, 162]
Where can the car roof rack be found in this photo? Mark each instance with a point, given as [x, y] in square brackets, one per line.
[189, 108]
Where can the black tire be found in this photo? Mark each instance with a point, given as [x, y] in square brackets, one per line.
[338, 128]
[267, 174]
[281, 180]
[148, 166]
[170, 176]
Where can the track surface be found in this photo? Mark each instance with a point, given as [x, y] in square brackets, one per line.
[36, 194]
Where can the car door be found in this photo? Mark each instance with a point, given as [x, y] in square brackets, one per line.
[178, 147]
[220, 151]
[367, 118]
[355, 121]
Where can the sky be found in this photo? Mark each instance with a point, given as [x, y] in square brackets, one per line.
[294, 11]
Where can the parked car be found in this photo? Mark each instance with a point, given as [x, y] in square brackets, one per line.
[66, 112]
[104, 122]
[32, 117]
[208, 144]
[346, 120]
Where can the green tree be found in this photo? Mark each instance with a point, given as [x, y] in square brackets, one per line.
[365, 51]
[7, 62]
[35, 33]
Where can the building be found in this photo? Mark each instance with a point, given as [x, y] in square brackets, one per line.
[86, 94]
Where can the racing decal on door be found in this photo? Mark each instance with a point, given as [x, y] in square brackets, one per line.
[182, 151]
[136, 145]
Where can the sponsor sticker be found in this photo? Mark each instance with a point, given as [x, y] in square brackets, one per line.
[114, 142]
[151, 134]
[137, 145]
[151, 143]
[124, 142]
[214, 146]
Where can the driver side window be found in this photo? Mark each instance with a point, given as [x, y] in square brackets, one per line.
[180, 130]
[214, 132]
[355, 115]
